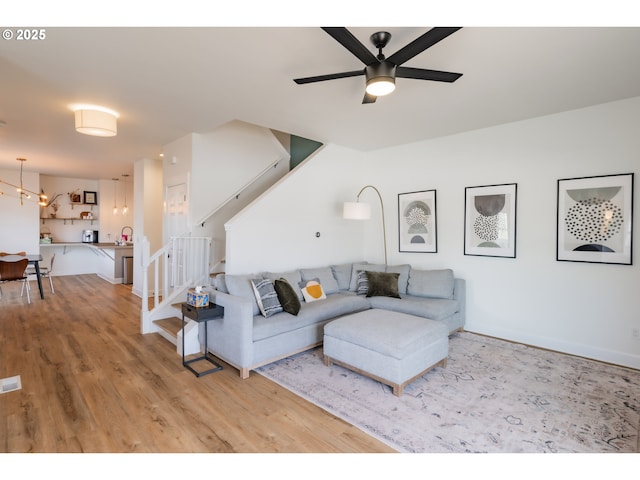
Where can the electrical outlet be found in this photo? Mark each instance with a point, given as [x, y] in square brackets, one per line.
[636, 333]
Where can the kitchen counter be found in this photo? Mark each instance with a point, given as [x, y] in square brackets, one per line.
[108, 265]
[111, 245]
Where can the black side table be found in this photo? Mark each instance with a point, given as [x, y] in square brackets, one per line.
[201, 314]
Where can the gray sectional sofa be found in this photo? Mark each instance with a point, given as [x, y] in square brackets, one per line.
[247, 339]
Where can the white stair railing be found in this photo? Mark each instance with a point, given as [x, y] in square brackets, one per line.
[179, 265]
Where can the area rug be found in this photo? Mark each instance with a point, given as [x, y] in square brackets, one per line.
[493, 396]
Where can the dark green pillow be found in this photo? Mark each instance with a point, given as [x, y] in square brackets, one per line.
[287, 296]
[383, 284]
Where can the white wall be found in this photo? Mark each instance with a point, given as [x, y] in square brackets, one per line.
[278, 231]
[226, 160]
[580, 308]
[19, 224]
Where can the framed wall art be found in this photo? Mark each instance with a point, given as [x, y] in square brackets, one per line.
[490, 220]
[90, 198]
[417, 222]
[595, 219]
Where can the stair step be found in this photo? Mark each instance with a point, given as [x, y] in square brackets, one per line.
[170, 325]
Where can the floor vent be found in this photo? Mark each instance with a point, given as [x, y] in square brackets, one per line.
[10, 384]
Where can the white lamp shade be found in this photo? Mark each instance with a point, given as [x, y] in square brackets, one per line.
[380, 86]
[96, 122]
[356, 211]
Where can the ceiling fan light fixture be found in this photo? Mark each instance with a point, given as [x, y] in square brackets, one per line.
[95, 120]
[381, 79]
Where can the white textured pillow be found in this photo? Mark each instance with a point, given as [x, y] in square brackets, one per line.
[312, 290]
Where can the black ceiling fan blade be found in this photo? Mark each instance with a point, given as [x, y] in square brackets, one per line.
[368, 98]
[421, 43]
[424, 74]
[351, 43]
[331, 76]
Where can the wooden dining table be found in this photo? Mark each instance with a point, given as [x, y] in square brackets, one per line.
[34, 259]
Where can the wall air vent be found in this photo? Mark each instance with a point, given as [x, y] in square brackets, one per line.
[10, 384]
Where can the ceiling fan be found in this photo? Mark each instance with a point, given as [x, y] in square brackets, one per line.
[381, 72]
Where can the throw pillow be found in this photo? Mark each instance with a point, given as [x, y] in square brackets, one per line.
[266, 297]
[312, 290]
[287, 296]
[353, 286]
[362, 285]
[383, 284]
[293, 277]
[431, 283]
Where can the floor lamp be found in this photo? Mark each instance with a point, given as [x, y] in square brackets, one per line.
[362, 211]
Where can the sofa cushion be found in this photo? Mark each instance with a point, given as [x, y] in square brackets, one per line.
[403, 279]
[287, 296]
[293, 277]
[220, 284]
[433, 308]
[266, 297]
[312, 290]
[356, 267]
[240, 286]
[322, 275]
[431, 283]
[333, 306]
[342, 274]
[383, 284]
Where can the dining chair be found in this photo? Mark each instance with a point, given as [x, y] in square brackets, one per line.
[45, 272]
[20, 254]
[15, 272]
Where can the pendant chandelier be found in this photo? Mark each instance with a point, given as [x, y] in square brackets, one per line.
[23, 193]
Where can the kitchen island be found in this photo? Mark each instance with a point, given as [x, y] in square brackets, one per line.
[76, 258]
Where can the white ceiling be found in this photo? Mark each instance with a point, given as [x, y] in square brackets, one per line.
[167, 82]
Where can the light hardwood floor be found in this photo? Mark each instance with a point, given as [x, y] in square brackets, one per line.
[91, 382]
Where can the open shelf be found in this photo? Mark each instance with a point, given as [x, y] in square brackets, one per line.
[70, 220]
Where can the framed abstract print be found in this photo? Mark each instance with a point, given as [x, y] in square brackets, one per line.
[490, 220]
[595, 219]
[417, 222]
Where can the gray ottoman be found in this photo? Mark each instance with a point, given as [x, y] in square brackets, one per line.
[390, 347]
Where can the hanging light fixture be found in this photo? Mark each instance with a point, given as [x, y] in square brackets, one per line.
[23, 192]
[115, 186]
[95, 120]
[125, 209]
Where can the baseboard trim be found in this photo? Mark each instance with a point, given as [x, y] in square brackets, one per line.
[619, 359]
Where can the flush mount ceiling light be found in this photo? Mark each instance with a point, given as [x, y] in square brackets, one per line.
[95, 120]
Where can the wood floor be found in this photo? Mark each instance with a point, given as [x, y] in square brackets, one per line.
[91, 382]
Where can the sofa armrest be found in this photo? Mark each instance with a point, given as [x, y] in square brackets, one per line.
[231, 337]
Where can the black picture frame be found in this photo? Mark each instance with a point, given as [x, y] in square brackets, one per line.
[490, 215]
[595, 219]
[417, 222]
[90, 198]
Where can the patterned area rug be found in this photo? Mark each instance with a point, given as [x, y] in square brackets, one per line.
[493, 396]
